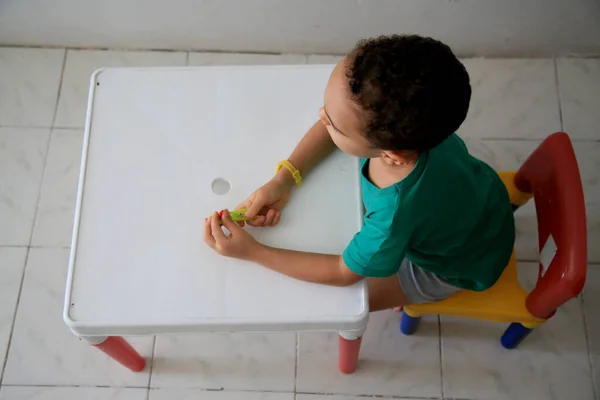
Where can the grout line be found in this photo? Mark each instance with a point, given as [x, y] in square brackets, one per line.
[557, 84]
[160, 50]
[331, 395]
[14, 318]
[49, 128]
[187, 58]
[62, 75]
[68, 128]
[25, 127]
[39, 196]
[41, 246]
[151, 365]
[71, 386]
[220, 51]
[296, 361]
[41, 187]
[72, 128]
[60, 83]
[368, 396]
[588, 345]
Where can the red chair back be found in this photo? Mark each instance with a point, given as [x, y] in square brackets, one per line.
[552, 175]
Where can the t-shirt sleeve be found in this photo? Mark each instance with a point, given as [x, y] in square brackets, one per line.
[378, 249]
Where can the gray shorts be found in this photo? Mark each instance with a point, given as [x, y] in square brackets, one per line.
[422, 286]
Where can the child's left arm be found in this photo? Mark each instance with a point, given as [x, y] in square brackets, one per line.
[310, 267]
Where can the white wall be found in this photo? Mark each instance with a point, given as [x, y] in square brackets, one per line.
[471, 27]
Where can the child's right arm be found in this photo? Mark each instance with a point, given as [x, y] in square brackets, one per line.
[313, 148]
[268, 200]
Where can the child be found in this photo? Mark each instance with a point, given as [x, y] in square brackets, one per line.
[437, 219]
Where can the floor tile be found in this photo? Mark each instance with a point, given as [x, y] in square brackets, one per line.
[81, 64]
[593, 231]
[591, 303]
[226, 361]
[29, 81]
[22, 154]
[197, 394]
[56, 208]
[324, 59]
[552, 363]
[340, 397]
[579, 88]
[512, 98]
[244, 59]
[71, 393]
[389, 364]
[43, 351]
[12, 262]
[509, 155]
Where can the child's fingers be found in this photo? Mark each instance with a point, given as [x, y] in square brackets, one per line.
[277, 218]
[228, 222]
[270, 217]
[244, 204]
[217, 232]
[208, 237]
[260, 221]
[255, 206]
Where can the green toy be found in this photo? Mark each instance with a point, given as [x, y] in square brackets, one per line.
[237, 215]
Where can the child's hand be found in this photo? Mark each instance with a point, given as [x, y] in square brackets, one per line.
[267, 202]
[239, 244]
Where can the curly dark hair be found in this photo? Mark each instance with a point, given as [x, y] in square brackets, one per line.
[414, 90]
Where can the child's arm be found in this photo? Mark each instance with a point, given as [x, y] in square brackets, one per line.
[269, 199]
[317, 268]
[313, 148]
[310, 267]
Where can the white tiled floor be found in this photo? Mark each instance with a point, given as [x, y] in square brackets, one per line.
[29, 85]
[516, 103]
[512, 98]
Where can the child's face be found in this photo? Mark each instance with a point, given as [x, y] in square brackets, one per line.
[343, 118]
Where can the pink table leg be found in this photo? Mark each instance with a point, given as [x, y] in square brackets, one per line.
[349, 347]
[119, 350]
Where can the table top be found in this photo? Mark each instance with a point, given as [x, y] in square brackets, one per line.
[161, 146]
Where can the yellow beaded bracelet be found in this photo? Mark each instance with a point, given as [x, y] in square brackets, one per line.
[293, 170]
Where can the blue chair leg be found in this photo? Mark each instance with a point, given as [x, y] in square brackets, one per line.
[408, 324]
[514, 335]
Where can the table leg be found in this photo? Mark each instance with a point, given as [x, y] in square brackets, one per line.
[119, 350]
[349, 347]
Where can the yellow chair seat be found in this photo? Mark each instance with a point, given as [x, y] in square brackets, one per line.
[503, 302]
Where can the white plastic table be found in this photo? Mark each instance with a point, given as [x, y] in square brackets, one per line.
[163, 149]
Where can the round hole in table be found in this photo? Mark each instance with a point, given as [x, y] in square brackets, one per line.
[220, 186]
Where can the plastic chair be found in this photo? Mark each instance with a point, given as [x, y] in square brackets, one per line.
[551, 176]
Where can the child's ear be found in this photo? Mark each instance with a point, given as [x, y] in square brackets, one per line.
[402, 157]
[395, 157]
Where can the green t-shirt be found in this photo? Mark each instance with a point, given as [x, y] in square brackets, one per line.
[451, 216]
